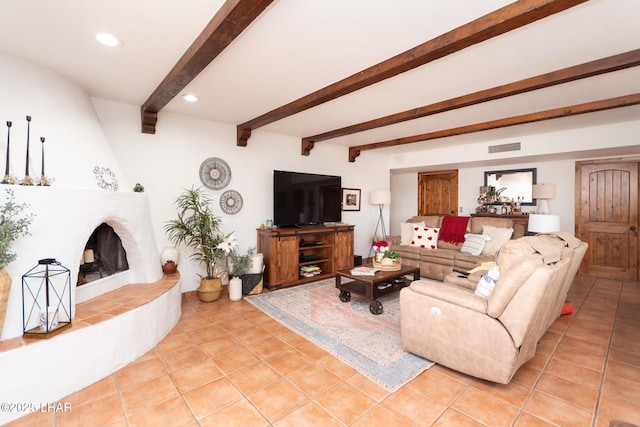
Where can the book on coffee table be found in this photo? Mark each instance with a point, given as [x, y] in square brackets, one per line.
[364, 271]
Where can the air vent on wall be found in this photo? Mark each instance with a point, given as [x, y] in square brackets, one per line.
[504, 147]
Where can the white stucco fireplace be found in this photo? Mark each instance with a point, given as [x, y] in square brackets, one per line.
[64, 220]
[49, 369]
[66, 214]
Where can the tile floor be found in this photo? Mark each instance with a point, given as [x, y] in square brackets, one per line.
[226, 363]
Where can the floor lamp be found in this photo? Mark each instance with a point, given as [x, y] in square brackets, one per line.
[379, 198]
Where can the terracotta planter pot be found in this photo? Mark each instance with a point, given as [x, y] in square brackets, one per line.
[210, 289]
[5, 286]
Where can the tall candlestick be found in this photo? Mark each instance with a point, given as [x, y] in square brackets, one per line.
[42, 140]
[6, 170]
[27, 179]
[26, 168]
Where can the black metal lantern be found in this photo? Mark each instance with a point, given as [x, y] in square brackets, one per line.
[46, 299]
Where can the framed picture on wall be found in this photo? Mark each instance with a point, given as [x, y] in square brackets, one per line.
[350, 199]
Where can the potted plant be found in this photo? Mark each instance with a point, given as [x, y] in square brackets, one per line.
[391, 259]
[13, 224]
[238, 265]
[198, 228]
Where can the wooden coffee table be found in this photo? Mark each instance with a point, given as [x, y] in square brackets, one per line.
[382, 283]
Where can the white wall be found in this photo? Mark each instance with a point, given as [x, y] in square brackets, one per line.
[553, 154]
[62, 113]
[67, 212]
[169, 161]
[78, 140]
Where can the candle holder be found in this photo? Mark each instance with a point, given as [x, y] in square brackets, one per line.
[46, 299]
[43, 179]
[27, 180]
[8, 179]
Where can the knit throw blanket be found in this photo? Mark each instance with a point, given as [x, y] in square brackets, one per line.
[453, 229]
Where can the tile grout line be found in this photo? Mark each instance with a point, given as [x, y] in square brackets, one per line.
[168, 374]
[606, 359]
[534, 386]
[120, 399]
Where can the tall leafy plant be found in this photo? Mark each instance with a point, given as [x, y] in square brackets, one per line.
[198, 228]
[14, 223]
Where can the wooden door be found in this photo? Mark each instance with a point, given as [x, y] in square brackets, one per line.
[438, 193]
[607, 218]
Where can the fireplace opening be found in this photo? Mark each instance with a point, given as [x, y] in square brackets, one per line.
[103, 255]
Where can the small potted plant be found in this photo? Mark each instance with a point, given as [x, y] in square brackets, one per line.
[238, 265]
[391, 259]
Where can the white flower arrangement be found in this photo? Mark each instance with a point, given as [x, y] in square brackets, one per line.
[381, 246]
[228, 244]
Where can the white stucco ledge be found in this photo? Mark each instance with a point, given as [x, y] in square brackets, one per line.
[107, 333]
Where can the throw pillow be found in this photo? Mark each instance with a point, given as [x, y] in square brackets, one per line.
[487, 283]
[425, 237]
[406, 231]
[499, 236]
[474, 243]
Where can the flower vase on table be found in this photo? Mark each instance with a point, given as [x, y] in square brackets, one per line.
[384, 258]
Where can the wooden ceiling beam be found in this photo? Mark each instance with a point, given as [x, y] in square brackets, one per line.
[555, 113]
[565, 75]
[503, 20]
[232, 19]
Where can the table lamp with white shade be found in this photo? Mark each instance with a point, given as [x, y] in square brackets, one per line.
[543, 223]
[543, 192]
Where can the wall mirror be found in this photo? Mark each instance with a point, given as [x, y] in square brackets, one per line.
[518, 183]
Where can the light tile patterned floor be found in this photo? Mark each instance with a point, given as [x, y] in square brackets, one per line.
[227, 363]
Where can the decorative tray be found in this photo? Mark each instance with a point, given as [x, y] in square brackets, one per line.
[394, 267]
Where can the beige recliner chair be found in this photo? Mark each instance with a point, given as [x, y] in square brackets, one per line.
[446, 322]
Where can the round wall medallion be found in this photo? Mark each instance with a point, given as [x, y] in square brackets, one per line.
[215, 173]
[231, 202]
[106, 179]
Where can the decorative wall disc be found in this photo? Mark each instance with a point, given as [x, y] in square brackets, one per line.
[106, 179]
[215, 173]
[231, 202]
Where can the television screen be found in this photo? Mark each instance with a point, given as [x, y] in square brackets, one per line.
[305, 199]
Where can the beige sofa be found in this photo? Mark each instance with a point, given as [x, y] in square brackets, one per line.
[437, 263]
[490, 338]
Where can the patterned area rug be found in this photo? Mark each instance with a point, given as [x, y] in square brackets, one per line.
[368, 343]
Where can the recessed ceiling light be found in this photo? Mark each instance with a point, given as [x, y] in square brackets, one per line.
[109, 39]
[189, 97]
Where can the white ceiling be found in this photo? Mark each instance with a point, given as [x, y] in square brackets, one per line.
[298, 46]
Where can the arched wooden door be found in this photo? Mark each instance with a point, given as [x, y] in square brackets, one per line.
[607, 218]
[438, 193]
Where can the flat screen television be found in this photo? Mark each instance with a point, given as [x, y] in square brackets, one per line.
[304, 199]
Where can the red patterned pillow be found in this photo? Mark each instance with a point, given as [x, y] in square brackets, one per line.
[425, 237]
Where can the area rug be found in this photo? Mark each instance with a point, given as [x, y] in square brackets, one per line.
[368, 343]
